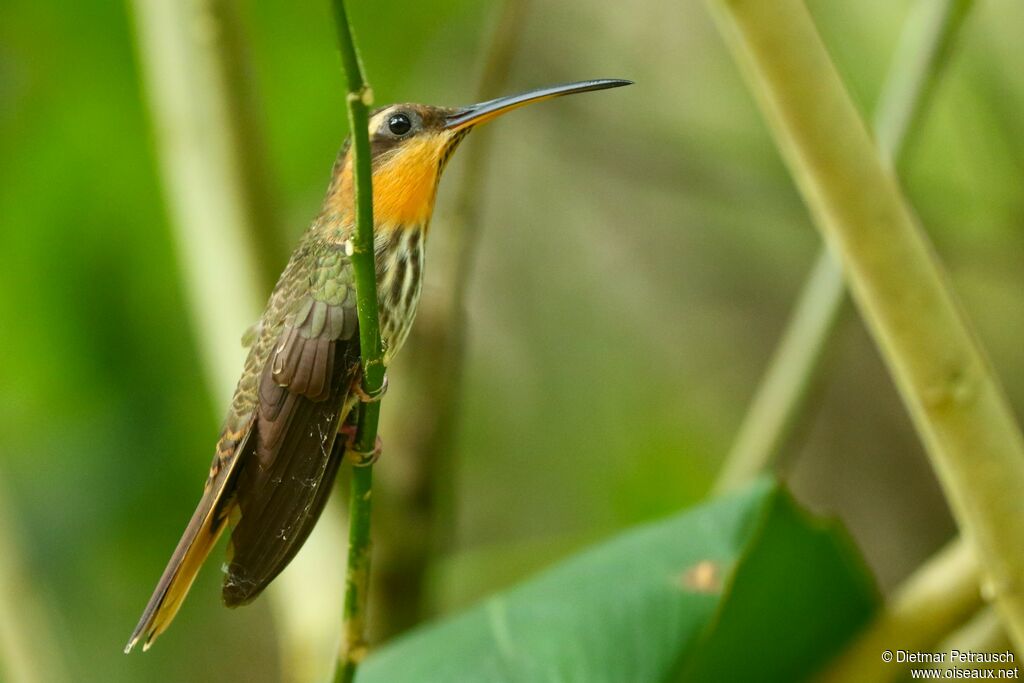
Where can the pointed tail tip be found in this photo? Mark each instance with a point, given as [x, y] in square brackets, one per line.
[134, 640]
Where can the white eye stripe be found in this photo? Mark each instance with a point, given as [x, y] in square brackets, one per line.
[379, 119]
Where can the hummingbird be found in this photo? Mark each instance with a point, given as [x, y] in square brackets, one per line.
[279, 450]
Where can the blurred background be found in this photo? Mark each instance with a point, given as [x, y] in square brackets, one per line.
[639, 253]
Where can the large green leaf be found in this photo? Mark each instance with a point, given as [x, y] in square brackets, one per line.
[745, 588]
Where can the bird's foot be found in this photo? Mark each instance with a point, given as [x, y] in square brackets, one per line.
[367, 397]
[360, 458]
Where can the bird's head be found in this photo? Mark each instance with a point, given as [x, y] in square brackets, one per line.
[411, 144]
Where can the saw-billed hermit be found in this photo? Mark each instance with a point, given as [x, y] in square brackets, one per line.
[278, 451]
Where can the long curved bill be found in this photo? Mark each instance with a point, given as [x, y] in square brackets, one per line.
[485, 111]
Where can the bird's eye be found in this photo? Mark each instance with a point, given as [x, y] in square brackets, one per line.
[399, 124]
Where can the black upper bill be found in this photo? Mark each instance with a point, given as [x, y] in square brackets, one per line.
[484, 111]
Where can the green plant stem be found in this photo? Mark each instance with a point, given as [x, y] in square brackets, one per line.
[782, 395]
[195, 105]
[923, 49]
[937, 598]
[29, 649]
[898, 284]
[357, 576]
[248, 141]
[464, 235]
[420, 516]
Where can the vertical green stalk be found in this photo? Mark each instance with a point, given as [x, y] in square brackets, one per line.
[924, 46]
[30, 651]
[921, 55]
[259, 196]
[898, 284]
[464, 232]
[357, 576]
[183, 56]
[423, 505]
[782, 394]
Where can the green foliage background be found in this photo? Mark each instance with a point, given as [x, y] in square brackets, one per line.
[606, 374]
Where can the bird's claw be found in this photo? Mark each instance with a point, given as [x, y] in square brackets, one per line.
[361, 458]
[368, 397]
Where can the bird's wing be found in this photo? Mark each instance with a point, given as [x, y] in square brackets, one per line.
[276, 457]
[291, 459]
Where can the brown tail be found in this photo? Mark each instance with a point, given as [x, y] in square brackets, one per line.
[200, 536]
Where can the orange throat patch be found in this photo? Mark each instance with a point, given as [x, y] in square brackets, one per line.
[404, 184]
